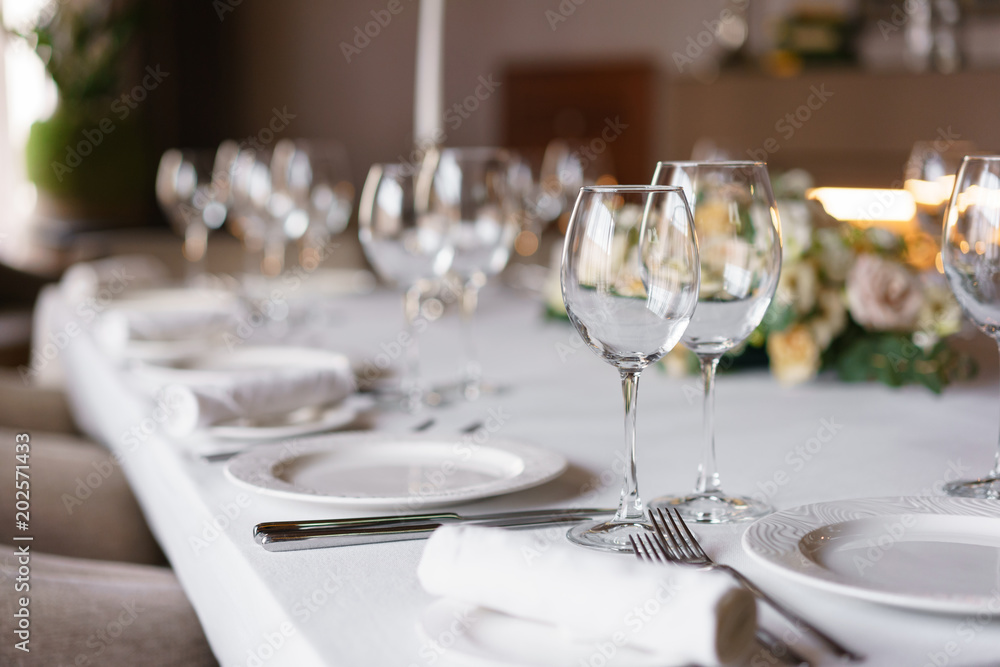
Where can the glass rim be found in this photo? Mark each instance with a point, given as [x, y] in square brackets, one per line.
[985, 158]
[631, 189]
[720, 163]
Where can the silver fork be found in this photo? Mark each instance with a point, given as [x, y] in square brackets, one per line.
[681, 546]
[650, 550]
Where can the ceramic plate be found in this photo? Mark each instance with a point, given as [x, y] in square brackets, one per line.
[381, 470]
[929, 553]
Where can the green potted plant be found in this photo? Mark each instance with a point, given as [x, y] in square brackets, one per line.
[88, 159]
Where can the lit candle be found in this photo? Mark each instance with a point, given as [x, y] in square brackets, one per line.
[429, 96]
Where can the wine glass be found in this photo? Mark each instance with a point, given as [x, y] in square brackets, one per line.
[970, 251]
[630, 284]
[249, 194]
[739, 238]
[470, 188]
[192, 189]
[405, 246]
[313, 178]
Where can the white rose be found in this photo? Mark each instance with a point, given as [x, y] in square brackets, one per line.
[797, 287]
[883, 295]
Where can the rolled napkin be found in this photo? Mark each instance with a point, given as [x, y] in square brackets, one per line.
[113, 275]
[681, 614]
[208, 398]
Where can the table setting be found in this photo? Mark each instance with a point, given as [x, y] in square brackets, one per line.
[471, 505]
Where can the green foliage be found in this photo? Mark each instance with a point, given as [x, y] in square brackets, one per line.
[895, 360]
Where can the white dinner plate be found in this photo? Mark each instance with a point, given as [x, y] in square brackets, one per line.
[931, 553]
[405, 472]
[304, 421]
[465, 634]
[214, 310]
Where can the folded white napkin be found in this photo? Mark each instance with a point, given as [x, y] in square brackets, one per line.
[112, 276]
[207, 398]
[681, 614]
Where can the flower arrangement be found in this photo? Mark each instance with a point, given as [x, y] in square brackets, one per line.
[866, 303]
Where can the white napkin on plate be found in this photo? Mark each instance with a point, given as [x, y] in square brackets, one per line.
[213, 397]
[112, 275]
[682, 614]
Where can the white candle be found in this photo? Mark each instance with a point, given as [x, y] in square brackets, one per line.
[429, 96]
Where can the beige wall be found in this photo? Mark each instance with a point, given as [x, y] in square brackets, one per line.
[291, 57]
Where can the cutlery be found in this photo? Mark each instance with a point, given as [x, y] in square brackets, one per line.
[649, 550]
[681, 546]
[294, 535]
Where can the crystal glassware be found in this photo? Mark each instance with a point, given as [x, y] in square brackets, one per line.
[406, 246]
[192, 188]
[629, 280]
[970, 252]
[739, 238]
[470, 187]
[314, 180]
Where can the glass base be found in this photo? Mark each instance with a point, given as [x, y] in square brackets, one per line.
[988, 487]
[469, 391]
[712, 508]
[608, 535]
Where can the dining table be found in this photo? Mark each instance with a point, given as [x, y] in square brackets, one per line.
[821, 441]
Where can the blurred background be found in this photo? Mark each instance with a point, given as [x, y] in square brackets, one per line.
[94, 91]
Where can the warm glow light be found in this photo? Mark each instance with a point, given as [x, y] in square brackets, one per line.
[866, 207]
[931, 194]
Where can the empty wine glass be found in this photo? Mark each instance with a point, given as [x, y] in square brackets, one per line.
[630, 283]
[249, 194]
[739, 238]
[313, 178]
[406, 247]
[469, 187]
[193, 191]
[970, 251]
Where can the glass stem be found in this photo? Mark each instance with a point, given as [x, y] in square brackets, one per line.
[195, 248]
[708, 472]
[469, 305]
[630, 509]
[411, 385]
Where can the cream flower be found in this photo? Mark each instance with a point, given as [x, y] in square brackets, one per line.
[940, 315]
[883, 295]
[797, 287]
[831, 318]
[796, 228]
[793, 354]
[677, 362]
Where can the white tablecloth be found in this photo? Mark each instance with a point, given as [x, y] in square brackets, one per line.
[360, 605]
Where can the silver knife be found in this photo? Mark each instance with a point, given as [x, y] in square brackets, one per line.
[294, 535]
